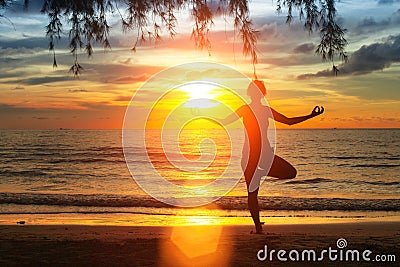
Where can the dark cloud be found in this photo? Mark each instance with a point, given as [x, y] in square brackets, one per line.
[78, 90]
[304, 48]
[27, 42]
[396, 16]
[368, 58]
[40, 118]
[123, 98]
[370, 22]
[387, 2]
[46, 79]
[370, 25]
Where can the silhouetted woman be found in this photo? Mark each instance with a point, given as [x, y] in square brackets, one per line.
[257, 153]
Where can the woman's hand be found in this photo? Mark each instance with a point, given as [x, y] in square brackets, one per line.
[317, 111]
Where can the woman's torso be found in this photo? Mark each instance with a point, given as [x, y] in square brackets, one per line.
[256, 123]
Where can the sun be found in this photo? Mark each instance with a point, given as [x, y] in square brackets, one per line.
[201, 95]
[200, 90]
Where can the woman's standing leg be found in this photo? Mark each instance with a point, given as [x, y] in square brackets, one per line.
[280, 168]
[252, 200]
[252, 197]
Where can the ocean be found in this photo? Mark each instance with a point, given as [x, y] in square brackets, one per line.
[81, 176]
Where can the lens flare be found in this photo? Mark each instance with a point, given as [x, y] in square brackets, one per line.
[174, 126]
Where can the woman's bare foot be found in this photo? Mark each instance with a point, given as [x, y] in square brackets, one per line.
[259, 229]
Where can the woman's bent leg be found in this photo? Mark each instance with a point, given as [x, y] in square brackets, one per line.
[282, 169]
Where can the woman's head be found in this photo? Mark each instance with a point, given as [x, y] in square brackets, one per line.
[256, 89]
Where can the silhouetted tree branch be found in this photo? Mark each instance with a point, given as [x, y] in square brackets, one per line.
[4, 3]
[320, 16]
[88, 24]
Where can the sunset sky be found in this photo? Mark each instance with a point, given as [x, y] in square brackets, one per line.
[365, 93]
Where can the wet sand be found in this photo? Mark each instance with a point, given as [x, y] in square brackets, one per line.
[85, 245]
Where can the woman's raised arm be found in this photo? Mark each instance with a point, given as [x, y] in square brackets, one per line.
[294, 120]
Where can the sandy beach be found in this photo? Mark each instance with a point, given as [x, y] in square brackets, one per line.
[85, 245]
